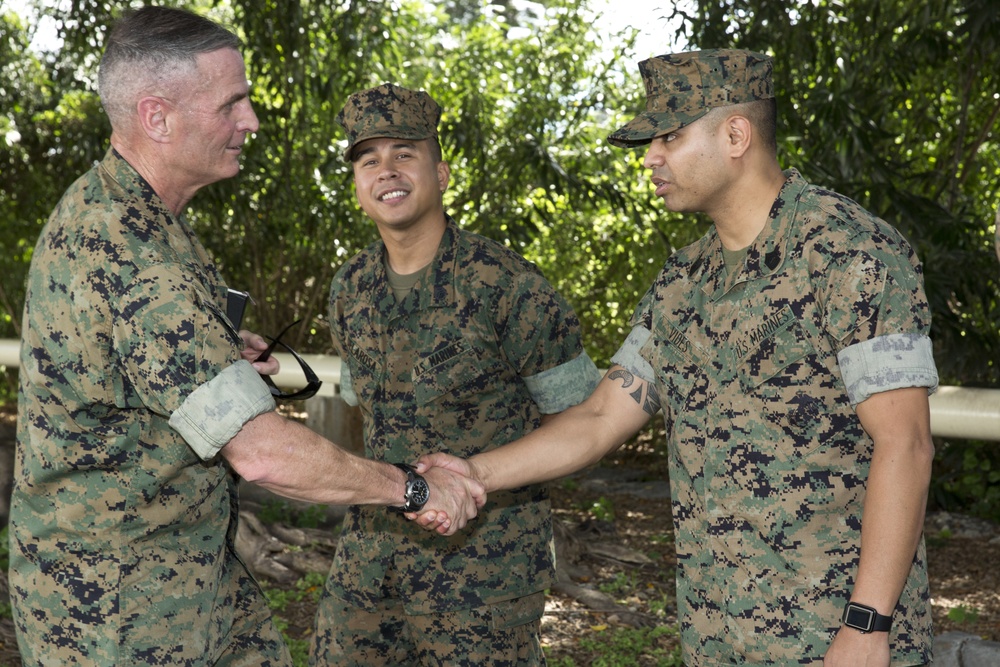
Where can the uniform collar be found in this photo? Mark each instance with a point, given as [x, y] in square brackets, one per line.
[436, 288]
[136, 188]
[766, 254]
[131, 181]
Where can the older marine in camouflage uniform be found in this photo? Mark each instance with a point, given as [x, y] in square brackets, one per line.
[468, 352]
[766, 344]
[138, 397]
[120, 531]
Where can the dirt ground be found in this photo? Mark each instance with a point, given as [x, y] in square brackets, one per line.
[636, 571]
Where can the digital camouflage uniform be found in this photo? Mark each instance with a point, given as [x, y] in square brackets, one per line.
[468, 361]
[121, 532]
[758, 371]
[758, 374]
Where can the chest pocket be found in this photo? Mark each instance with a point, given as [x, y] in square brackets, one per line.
[455, 375]
[783, 376]
[770, 354]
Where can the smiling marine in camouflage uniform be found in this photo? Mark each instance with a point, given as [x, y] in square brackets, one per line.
[446, 338]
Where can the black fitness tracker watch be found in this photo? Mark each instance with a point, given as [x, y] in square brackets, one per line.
[864, 618]
[417, 491]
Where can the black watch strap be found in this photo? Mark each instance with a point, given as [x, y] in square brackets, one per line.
[866, 619]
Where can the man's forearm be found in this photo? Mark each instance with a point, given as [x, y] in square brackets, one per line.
[892, 523]
[898, 422]
[293, 461]
[574, 439]
[896, 497]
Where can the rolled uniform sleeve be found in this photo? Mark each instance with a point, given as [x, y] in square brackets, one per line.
[629, 355]
[887, 362]
[877, 310]
[563, 386]
[216, 411]
[181, 358]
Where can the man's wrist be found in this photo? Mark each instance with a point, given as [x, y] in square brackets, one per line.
[865, 619]
[416, 492]
[477, 472]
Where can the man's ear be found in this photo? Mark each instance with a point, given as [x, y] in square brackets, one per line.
[153, 117]
[739, 131]
[444, 175]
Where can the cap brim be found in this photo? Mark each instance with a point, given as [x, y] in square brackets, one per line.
[648, 125]
[388, 133]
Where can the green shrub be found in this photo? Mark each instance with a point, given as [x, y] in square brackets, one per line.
[966, 479]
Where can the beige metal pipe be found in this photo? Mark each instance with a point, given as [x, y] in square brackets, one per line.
[966, 412]
[956, 412]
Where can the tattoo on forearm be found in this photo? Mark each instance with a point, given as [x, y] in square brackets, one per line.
[623, 375]
[651, 405]
[641, 395]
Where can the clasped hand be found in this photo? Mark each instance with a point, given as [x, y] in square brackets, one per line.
[458, 486]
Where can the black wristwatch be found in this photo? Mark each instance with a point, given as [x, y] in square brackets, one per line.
[864, 618]
[417, 491]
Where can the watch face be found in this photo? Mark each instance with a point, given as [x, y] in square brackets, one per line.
[859, 618]
[420, 493]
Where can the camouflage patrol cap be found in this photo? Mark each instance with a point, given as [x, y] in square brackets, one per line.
[683, 87]
[388, 111]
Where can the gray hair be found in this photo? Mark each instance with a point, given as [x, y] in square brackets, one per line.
[147, 50]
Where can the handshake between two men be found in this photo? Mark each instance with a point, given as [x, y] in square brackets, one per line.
[455, 494]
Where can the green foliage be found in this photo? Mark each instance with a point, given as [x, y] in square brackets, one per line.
[963, 614]
[663, 605]
[8, 387]
[627, 647]
[602, 509]
[48, 136]
[569, 484]
[623, 584]
[967, 478]
[280, 511]
[299, 650]
[307, 589]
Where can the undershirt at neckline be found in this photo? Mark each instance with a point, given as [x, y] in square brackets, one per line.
[402, 284]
